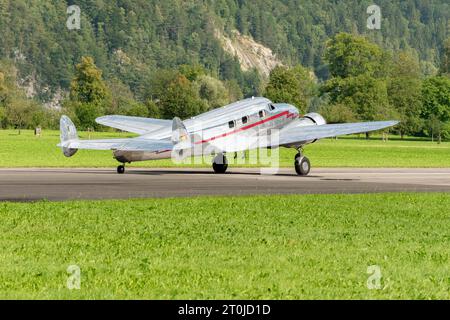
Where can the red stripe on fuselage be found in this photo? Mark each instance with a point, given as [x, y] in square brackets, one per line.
[287, 113]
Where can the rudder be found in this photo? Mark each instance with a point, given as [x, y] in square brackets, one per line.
[68, 133]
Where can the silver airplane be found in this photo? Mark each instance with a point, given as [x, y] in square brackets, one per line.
[244, 125]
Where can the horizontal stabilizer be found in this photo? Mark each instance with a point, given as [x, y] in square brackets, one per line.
[129, 144]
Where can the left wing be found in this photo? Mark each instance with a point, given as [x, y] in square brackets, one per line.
[134, 124]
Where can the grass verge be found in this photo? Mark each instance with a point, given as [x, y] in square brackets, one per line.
[26, 150]
[255, 247]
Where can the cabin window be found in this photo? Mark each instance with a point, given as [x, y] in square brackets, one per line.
[262, 113]
[231, 124]
[244, 120]
[271, 107]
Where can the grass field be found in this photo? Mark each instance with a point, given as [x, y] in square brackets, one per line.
[267, 247]
[25, 150]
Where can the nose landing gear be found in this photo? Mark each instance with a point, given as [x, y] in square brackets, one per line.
[121, 169]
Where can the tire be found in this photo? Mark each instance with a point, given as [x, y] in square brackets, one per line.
[220, 168]
[302, 166]
[121, 169]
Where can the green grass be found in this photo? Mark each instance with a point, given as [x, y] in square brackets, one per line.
[25, 150]
[258, 247]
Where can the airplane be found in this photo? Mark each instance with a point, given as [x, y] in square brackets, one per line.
[244, 125]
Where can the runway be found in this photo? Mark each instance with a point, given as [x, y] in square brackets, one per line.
[67, 184]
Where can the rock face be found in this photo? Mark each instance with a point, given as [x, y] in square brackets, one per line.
[250, 53]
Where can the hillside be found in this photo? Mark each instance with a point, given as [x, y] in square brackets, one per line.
[130, 40]
[251, 54]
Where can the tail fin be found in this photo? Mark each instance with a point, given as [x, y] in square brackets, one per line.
[68, 132]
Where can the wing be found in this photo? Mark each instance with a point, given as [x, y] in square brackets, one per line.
[134, 124]
[291, 135]
[297, 134]
[130, 144]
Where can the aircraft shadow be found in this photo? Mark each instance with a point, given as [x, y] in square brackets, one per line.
[194, 172]
[160, 172]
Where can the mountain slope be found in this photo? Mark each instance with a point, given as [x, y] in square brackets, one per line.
[131, 39]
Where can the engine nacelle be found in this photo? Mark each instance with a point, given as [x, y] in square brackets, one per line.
[309, 119]
[316, 118]
[135, 156]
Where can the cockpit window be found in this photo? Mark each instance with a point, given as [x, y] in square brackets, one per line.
[271, 107]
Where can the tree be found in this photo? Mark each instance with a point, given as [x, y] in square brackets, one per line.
[405, 93]
[192, 72]
[88, 85]
[137, 109]
[251, 83]
[292, 86]
[445, 65]
[88, 93]
[86, 113]
[181, 99]
[212, 91]
[121, 98]
[348, 56]
[18, 113]
[234, 91]
[358, 70]
[16, 109]
[3, 98]
[337, 113]
[159, 82]
[365, 95]
[153, 109]
[436, 102]
[3, 89]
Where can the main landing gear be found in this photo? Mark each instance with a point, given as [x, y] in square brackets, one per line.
[121, 169]
[302, 164]
[220, 163]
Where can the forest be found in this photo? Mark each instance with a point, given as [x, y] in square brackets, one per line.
[162, 58]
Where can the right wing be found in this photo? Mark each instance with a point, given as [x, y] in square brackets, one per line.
[296, 134]
[292, 135]
[134, 124]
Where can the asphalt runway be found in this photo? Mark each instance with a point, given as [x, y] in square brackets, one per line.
[65, 184]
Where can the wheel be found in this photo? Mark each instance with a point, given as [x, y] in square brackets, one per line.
[220, 164]
[302, 165]
[220, 168]
[121, 169]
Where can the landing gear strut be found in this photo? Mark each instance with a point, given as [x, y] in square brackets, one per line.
[121, 169]
[302, 164]
[220, 163]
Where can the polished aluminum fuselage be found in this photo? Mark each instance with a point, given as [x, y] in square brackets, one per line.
[250, 117]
